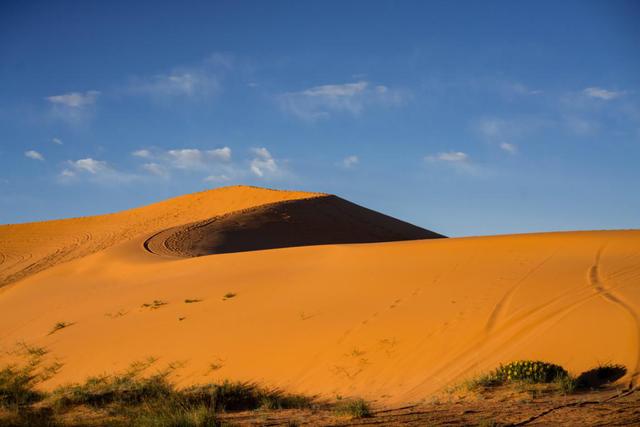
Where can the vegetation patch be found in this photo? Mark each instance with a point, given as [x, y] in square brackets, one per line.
[192, 301]
[529, 372]
[599, 376]
[18, 381]
[155, 304]
[355, 408]
[228, 295]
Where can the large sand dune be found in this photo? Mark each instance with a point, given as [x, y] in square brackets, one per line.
[393, 321]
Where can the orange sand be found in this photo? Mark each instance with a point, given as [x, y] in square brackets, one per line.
[393, 321]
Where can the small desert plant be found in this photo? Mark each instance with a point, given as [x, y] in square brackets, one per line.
[566, 384]
[523, 371]
[228, 295]
[60, 325]
[357, 408]
[531, 371]
[155, 304]
[191, 301]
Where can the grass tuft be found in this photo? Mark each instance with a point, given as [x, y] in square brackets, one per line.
[60, 325]
[155, 304]
[357, 408]
[228, 295]
[192, 301]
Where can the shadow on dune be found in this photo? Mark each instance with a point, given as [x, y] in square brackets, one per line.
[315, 221]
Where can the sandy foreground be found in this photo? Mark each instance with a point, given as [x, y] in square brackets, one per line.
[394, 322]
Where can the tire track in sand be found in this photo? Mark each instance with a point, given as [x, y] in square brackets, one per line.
[595, 280]
[498, 311]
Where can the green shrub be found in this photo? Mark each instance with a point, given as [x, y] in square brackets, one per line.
[531, 371]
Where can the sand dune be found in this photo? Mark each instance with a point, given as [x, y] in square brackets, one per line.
[392, 321]
[26, 249]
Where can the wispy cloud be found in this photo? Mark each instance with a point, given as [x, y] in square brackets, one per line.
[509, 148]
[201, 81]
[56, 141]
[94, 171]
[350, 162]
[195, 159]
[505, 132]
[457, 160]
[143, 153]
[155, 169]
[449, 156]
[185, 84]
[603, 94]
[73, 107]
[33, 154]
[263, 165]
[353, 98]
[215, 162]
[75, 99]
[518, 89]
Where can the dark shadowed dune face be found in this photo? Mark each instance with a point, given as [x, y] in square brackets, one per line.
[315, 221]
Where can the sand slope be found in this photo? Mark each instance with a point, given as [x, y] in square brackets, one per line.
[392, 321]
[26, 249]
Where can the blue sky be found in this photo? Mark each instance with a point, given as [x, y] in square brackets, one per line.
[466, 118]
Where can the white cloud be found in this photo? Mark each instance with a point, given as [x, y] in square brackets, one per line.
[73, 107]
[223, 153]
[509, 148]
[456, 160]
[263, 165]
[57, 141]
[155, 169]
[321, 101]
[75, 99]
[217, 178]
[145, 154]
[604, 94]
[518, 89]
[33, 154]
[186, 84]
[195, 159]
[450, 156]
[89, 165]
[350, 161]
[94, 170]
[337, 91]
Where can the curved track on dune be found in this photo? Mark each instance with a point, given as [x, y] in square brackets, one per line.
[304, 222]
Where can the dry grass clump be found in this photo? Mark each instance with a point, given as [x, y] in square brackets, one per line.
[133, 397]
[355, 408]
